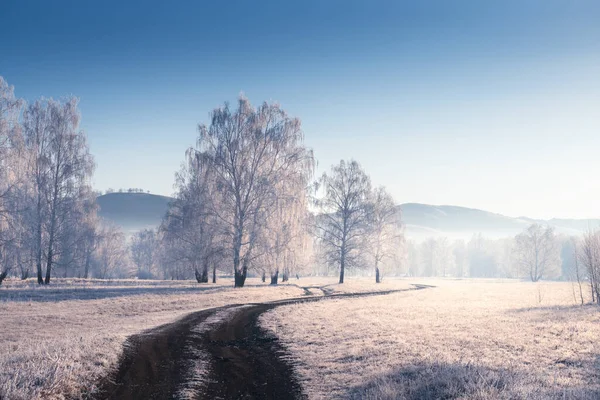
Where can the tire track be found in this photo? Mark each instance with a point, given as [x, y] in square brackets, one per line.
[243, 360]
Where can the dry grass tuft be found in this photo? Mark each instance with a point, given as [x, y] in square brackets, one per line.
[471, 339]
[57, 341]
[455, 381]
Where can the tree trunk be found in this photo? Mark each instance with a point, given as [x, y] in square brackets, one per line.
[214, 273]
[49, 264]
[3, 276]
[534, 275]
[264, 276]
[25, 274]
[377, 279]
[240, 278]
[201, 277]
[38, 261]
[86, 270]
[285, 277]
[274, 278]
[204, 276]
[52, 222]
[38, 258]
[342, 270]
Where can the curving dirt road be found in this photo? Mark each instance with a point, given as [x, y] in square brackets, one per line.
[243, 360]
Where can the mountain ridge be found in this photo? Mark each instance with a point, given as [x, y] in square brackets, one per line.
[135, 211]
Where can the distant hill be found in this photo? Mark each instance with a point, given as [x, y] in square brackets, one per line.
[459, 220]
[135, 211]
[425, 220]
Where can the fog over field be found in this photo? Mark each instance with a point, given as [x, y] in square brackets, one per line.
[136, 211]
[299, 200]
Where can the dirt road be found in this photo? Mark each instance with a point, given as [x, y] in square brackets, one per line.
[243, 360]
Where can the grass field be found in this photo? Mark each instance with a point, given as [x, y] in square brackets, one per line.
[462, 339]
[57, 340]
[470, 339]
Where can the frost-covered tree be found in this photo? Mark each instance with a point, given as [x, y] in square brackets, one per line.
[77, 239]
[47, 208]
[144, 251]
[572, 267]
[384, 228]
[343, 224]
[191, 234]
[589, 255]
[482, 257]
[61, 167]
[11, 180]
[250, 152]
[459, 251]
[537, 250]
[283, 245]
[111, 258]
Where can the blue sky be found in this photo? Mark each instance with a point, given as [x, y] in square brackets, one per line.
[494, 105]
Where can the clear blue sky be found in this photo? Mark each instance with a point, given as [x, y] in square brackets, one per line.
[494, 106]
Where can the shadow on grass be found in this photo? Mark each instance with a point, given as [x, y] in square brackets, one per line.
[562, 308]
[96, 292]
[557, 313]
[52, 294]
[60, 294]
[463, 381]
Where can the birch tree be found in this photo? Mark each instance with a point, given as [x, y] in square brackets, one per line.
[111, 259]
[76, 240]
[61, 166]
[589, 255]
[384, 228]
[344, 221]
[89, 234]
[11, 179]
[143, 253]
[575, 271]
[459, 251]
[538, 252]
[250, 151]
[284, 239]
[191, 234]
[45, 197]
[427, 252]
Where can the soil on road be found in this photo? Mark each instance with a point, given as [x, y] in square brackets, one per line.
[219, 353]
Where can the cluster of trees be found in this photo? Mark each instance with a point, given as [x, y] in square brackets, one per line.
[357, 226]
[533, 254]
[586, 264]
[130, 190]
[46, 203]
[536, 253]
[245, 201]
[48, 213]
[242, 196]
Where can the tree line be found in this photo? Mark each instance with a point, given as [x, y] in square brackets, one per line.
[536, 253]
[49, 224]
[247, 202]
[46, 202]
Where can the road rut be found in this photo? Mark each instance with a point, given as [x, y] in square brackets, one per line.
[219, 353]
